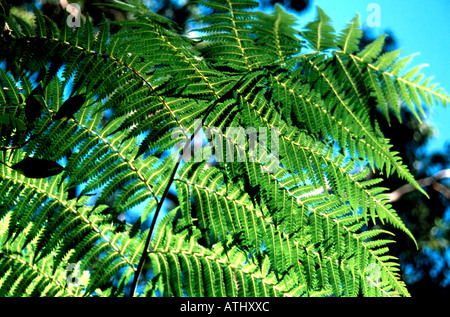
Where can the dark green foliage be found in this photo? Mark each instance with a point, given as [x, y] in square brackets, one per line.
[12, 122]
[294, 218]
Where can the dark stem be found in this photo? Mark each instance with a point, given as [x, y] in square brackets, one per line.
[144, 255]
[138, 272]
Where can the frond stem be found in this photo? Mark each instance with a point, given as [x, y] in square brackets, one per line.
[166, 190]
[150, 232]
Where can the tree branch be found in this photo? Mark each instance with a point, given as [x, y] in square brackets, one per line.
[432, 180]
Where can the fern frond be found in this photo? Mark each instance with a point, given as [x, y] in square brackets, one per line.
[231, 44]
[348, 40]
[320, 32]
[276, 34]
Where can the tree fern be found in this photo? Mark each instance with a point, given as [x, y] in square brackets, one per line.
[109, 119]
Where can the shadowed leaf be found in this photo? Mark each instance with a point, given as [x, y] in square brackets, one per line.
[33, 108]
[70, 107]
[37, 168]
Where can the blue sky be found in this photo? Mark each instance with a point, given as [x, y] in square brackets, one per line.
[419, 26]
